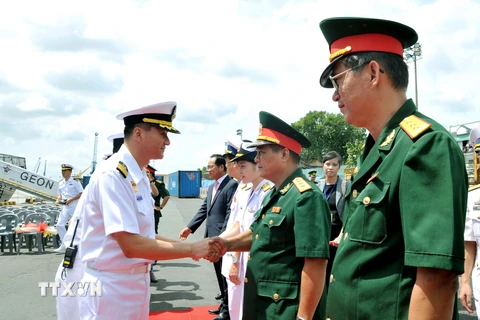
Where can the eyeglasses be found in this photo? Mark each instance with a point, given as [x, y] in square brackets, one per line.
[211, 167]
[334, 81]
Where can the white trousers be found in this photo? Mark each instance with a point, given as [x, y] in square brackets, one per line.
[476, 288]
[67, 307]
[65, 215]
[124, 296]
[235, 300]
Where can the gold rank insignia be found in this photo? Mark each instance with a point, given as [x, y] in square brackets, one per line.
[389, 139]
[134, 185]
[285, 189]
[260, 129]
[122, 168]
[276, 209]
[301, 184]
[266, 187]
[355, 171]
[372, 177]
[243, 186]
[414, 126]
[362, 147]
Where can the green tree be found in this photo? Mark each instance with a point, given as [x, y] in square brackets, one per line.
[328, 132]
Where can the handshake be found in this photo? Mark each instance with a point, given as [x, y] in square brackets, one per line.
[211, 249]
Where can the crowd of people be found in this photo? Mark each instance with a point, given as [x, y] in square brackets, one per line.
[283, 246]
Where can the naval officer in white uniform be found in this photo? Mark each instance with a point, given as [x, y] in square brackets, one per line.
[67, 306]
[118, 241]
[69, 191]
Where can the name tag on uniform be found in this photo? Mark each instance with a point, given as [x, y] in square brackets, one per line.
[476, 207]
[276, 209]
[139, 198]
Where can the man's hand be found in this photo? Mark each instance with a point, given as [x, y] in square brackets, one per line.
[200, 249]
[68, 201]
[217, 248]
[233, 275]
[56, 203]
[465, 296]
[185, 233]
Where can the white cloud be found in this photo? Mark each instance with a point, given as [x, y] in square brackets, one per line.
[67, 68]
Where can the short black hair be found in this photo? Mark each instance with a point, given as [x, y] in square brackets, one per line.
[332, 155]
[393, 65]
[219, 160]
[128, 131]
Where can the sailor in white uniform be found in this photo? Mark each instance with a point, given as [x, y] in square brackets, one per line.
[67, 306]
[69, 191]
[118, 241]
[247, 201]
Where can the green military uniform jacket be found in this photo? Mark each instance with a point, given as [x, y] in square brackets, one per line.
[405, 209]
[293, 223]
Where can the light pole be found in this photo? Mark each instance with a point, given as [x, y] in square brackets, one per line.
[413, 53]
[239, 133]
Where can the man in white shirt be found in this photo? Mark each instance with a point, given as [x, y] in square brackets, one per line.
[118, 242]
[69, 191]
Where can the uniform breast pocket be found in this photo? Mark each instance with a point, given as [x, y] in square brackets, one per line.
[476, 227]
[145, 217]
[272, 232]
[368, 221]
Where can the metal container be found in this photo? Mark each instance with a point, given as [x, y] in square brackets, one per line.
[184, 184]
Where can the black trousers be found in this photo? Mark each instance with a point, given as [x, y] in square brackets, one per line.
[222, 285]
[157, 215]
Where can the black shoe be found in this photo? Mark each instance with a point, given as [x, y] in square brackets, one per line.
[153, 279]
[219, 296]
[222, 316]
[215, 311]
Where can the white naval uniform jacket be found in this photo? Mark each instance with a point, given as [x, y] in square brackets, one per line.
[114, 203]
[69, 189]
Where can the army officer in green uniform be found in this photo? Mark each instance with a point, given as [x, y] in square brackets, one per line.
[402, 248]
[288, 241]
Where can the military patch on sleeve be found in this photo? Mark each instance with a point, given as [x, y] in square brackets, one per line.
[266, 187]
[414, 126]
[301, 184]
[122, 168]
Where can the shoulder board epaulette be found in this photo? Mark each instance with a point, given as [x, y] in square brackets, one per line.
[266, 187]
[122, 168]
[471, 188]
[414, 126]
[301, 184]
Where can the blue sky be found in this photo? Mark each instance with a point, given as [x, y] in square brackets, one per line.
[68, 67]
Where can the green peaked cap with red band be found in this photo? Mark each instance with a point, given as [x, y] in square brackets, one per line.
[347, 35]
[274, 130]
